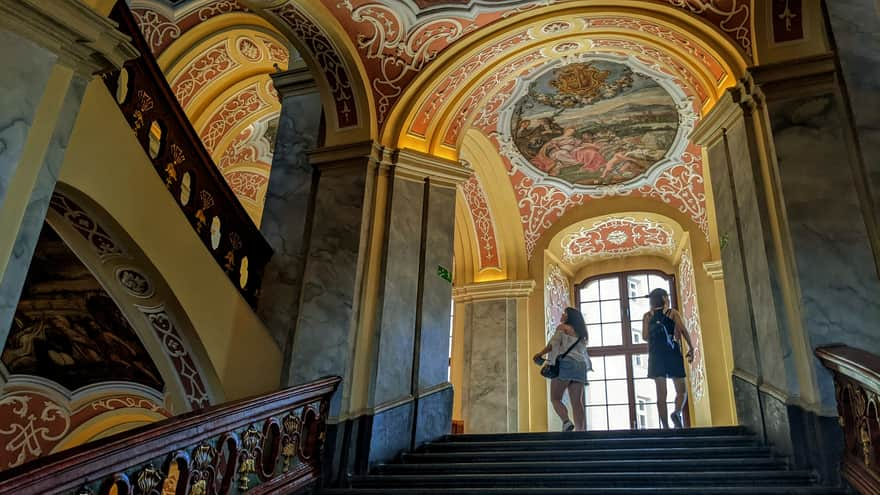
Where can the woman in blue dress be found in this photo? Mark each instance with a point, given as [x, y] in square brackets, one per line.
[664, 329]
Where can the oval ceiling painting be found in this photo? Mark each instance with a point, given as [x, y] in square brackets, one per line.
[594, 123]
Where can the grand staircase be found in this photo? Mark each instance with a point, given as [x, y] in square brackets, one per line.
[689, 461]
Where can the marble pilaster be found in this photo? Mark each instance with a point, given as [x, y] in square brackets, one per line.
[491, 323]
[288, 202]
[50, 54]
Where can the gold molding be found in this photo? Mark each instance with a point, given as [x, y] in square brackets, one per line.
[508, 289]
[84, 40]
[294, 82]
[711, 128]
[714, 269]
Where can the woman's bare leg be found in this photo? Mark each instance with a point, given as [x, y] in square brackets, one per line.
[557, 390]
[680, 394]
[578, 409]
[661, 402]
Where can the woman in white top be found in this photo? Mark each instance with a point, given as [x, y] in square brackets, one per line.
[573, 367]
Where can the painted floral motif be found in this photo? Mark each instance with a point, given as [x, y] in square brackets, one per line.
[557, 297]
[484, 225]
[691, 314]
[617, 237]
[201, 71]
[233, 111]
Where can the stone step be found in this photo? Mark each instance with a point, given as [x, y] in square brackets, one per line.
[646, 479]
[590, 466]
[594, 443]
[775, 490]
[684, 432]
[691, 453]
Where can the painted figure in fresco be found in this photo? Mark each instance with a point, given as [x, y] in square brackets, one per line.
[664, 331]
[568, 151]
[570, 342]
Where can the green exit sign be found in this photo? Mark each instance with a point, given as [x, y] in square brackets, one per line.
[443, 273]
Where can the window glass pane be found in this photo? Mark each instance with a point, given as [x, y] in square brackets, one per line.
[646, 390]
[658, 282]
[618, 417]
[596, 393]
[637, 286]
[611, 311]
[595, 334]
[615, 367]
[609, 288]
[597, 418]
[612, 334]
[636, 327]
[598, 372]
[591, 312]
[640, 366]
[618, 392]
[638, 307]
[590, 292]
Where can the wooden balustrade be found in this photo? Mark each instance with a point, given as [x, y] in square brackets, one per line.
[267, 444]
[857, 383]
[184, 165]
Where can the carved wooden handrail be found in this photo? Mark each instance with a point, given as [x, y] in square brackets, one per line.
[857, 384]
[184, 165]
[267, 444]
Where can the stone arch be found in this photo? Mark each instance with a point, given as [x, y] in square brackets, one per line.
[141, 293]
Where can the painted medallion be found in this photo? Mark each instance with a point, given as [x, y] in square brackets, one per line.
[594, 123]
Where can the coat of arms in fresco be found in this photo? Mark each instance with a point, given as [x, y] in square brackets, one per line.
[594, 123]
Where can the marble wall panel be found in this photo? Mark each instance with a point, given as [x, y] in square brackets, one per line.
[855, 26]
[735, 286]
[835, 264]
[13, 277]
[391, 434]
[756, 251]
[437, 295]
[434, 418]
[748, 405]
[396, 337]
[26, 69]
[323, 341]
[285, 214]
[489, 403]
[777, 424]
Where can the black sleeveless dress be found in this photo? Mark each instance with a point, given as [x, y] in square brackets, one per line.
[664, 352]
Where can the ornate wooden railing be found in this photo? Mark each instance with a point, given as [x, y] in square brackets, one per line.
[857, 382]
[268, 444]
[186, 168]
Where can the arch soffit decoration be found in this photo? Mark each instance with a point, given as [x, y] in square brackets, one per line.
[314, 34]
[141, 294]
[702, 66]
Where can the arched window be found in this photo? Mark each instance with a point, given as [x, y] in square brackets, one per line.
[619, 395]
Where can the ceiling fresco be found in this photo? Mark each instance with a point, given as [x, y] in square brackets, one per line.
[617, 237]
[67, 329]
[593, 123]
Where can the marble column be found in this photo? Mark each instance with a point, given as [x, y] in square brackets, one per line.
[50, 54]
[372, 309]
[288, 204]
[492, 320]
[799, 269]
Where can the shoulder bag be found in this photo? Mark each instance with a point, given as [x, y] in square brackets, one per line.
[551, 371]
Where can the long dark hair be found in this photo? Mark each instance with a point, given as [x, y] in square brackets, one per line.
[657, 298]
[574, 318]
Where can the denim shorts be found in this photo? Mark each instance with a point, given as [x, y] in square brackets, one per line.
[572, 370]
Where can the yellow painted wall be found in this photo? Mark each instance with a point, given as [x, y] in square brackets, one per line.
[105, 162]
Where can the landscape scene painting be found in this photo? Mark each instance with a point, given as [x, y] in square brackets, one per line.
[594, 123]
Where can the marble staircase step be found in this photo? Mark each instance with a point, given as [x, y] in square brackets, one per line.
[596, 443]
[589, 480]
[466, 456]
[775, 490]
[589, 466]
[656, 433]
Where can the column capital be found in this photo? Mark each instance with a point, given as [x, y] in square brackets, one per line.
[797, 78]
[418, 166]
[294, 82]
[484, 291]
[714, 269]
[82, 38]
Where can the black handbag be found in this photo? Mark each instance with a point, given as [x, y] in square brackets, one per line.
[551, 371]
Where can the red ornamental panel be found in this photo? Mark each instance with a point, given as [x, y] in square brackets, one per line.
[484, 225]
[616, 237]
